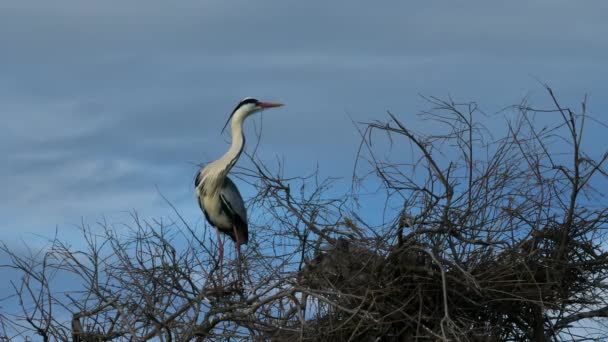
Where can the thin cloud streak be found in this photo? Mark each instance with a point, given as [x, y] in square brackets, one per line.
[103, 102]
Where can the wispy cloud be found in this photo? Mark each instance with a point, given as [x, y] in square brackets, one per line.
[102, 102]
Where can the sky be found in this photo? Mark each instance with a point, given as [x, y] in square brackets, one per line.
[107, 104]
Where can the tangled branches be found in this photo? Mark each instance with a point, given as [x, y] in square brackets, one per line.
[481, 240]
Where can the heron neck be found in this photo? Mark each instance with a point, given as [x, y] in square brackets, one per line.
[238, 141]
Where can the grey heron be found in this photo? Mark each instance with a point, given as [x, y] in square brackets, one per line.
[217, 195]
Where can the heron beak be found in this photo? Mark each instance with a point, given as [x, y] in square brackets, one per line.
[265, 105]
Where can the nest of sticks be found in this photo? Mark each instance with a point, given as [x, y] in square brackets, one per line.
[411, 291]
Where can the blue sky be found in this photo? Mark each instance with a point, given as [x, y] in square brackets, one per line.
[104, 102]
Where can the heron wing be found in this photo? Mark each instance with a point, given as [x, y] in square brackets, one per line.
[234, 206]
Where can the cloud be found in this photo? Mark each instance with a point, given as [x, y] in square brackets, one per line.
[102, 102]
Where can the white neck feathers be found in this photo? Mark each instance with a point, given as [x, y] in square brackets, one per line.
[213, 174]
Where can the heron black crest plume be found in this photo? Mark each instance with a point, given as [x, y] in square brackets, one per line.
[244, 102]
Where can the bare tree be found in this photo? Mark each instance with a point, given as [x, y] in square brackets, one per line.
[482, 239]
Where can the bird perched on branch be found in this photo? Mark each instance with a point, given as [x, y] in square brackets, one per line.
[217, 195]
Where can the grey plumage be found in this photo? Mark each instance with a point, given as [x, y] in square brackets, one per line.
[232, 209]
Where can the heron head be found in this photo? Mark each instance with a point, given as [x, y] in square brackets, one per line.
[248, 106]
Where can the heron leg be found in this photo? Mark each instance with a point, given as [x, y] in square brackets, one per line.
[237, 247]
[221, 247]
